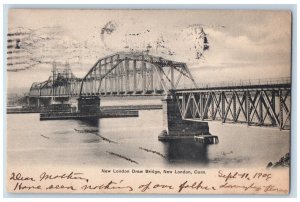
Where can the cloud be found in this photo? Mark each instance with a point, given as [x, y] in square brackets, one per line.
[244, 44]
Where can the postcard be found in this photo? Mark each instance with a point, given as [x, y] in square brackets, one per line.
[148, 101]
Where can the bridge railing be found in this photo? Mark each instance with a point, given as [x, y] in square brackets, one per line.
[252, 82]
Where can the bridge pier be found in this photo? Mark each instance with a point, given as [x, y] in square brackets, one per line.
[28, 101]
[38, 102]
[175, 126]
[35, 102]
[89, 105]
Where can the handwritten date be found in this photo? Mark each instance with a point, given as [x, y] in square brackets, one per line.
[243, 175]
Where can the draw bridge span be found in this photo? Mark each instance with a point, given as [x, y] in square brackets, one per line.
[186, 111]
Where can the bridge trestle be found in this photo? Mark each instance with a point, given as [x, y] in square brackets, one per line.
[266, 106]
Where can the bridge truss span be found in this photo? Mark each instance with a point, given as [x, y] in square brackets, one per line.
[133, 74]
[62, 83]
[260, 105]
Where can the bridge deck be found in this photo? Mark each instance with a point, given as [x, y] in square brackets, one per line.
[235, 87]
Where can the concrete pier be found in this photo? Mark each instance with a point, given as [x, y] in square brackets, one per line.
[89, 105]
[175, 126]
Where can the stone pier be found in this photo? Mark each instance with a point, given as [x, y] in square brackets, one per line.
[175, 126]
[89, 105]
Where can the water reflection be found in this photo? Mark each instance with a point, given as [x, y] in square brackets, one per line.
[175, 151]
[186, 151]
[91, 129]
[92, 140]
[94, 123]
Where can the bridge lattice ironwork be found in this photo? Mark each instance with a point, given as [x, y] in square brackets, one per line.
[261, 105]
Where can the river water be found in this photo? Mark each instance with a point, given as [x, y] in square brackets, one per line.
[115, 141]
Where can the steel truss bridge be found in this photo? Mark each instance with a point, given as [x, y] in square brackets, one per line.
[118, 74]
[263, 103]
[62, 83]
[133, 74]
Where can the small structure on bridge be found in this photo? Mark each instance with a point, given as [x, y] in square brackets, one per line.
[206, 139]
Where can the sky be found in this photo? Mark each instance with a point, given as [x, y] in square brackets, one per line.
[242, 44]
